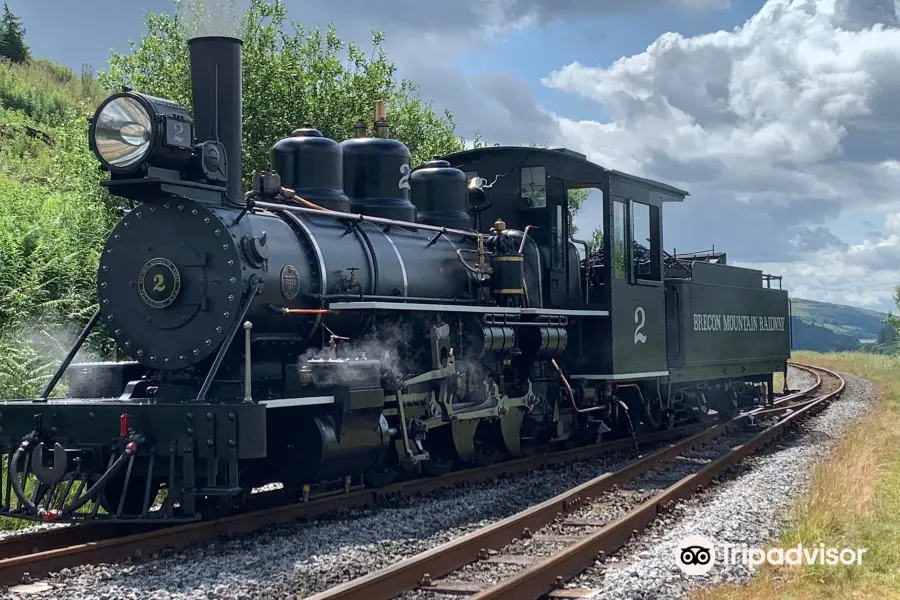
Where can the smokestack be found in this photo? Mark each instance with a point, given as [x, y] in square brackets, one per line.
[216, 87]
[381, 124]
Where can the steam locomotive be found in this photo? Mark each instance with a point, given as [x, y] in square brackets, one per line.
[350, 319]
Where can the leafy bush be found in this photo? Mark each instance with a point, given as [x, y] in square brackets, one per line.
[292, 76]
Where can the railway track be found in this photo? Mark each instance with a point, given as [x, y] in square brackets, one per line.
[491, 563]
[31, 556]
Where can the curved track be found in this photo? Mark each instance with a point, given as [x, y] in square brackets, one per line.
[482, 550]
[34, 555]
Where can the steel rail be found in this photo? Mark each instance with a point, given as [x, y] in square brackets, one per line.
[410, 573]
[47, 551]
[71, 546]
[536, 581]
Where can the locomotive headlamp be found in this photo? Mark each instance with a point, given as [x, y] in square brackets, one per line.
[130, 130]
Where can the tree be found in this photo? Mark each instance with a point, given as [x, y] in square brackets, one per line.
[292, 76]
[576, 199]
[887, 335]
[12, 37]
[892, 319]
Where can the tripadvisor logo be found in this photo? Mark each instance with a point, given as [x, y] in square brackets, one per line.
[696, 555]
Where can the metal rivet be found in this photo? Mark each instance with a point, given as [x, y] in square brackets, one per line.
[230, 298]
[180, 207]
[206, 219]
[224, 246]
[181, 357]
[117, 237]
[232, 280]
[109, 251]
[106, 301]
[226, 314]
[219, 329]
[196, 352]
[208, 342]
[152, 208]
[140, 352]
[109, 317]
[217, 232]
[128, 344]
[230, 263]
[103, 284]
[194, 212]
[166, 205]
[139, 215]
[106, 267]
[127, 224]
[118, 332]
[152, 358]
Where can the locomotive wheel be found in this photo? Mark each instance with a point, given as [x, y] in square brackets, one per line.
[381, 475]
[487, 443]
[437, 466]
[653, 412]
[439, 444]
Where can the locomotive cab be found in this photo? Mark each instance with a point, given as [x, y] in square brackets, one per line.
[615, 281]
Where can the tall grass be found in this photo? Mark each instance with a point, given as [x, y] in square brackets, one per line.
[54, 219]
[853, 501]
[44, 91]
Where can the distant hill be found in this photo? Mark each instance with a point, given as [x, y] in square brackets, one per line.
[826, 327]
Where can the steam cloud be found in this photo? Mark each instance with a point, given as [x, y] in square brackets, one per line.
[389, 344]
[386, 345]
[209, 17]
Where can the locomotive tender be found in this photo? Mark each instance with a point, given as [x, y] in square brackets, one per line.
[352, 318]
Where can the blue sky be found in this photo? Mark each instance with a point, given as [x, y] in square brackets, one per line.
[779, 116]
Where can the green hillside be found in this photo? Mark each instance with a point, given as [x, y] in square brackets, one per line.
[826, 327]
[859, 323]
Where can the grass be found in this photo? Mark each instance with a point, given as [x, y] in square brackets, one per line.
[54, 219]
[853, 501]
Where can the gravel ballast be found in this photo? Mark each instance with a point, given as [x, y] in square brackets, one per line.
[294, 561]
[750, 509]
[297, 560]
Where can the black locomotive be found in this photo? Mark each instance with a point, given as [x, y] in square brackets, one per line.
[351, 319]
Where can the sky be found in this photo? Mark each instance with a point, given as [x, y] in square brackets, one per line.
[780, 117]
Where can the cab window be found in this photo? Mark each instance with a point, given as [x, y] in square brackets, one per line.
[645, 241]
[618, 241]
[533, 187]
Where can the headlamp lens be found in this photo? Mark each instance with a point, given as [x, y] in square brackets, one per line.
[122, 132]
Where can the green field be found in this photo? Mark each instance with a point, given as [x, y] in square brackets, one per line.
[826, 327]
[845, 320]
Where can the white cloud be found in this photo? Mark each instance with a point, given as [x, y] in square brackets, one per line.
[427, 45]
[777, 128]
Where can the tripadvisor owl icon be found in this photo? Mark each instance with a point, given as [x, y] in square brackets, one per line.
[695, 555]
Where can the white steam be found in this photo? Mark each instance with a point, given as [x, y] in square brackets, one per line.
[200, 18]
[390, 344]
[385, 345]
